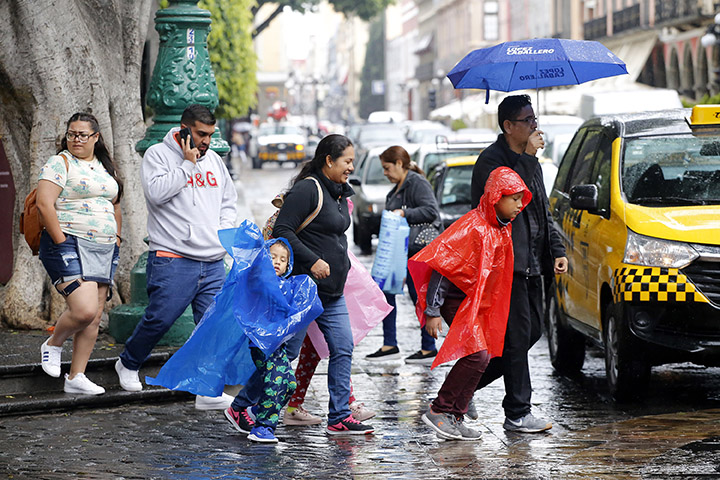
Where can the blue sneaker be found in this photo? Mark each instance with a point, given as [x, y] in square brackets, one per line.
[262, 435]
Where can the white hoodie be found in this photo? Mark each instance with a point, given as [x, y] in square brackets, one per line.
[187, 203]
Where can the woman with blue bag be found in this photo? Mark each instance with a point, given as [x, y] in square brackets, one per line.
[412, 198]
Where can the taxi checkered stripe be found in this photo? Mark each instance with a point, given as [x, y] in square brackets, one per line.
[654, 284]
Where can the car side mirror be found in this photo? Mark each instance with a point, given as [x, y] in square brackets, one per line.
[584, 197]
[354, 181]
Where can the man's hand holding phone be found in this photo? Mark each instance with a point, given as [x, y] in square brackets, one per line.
[190, 152]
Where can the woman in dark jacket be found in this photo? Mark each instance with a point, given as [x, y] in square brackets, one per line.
[413, 198]
[320, 250]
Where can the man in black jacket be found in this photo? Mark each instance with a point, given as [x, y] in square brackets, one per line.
[538, 251]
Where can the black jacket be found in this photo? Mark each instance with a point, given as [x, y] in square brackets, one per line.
[527, 257]
[416, 195]
[324, 237]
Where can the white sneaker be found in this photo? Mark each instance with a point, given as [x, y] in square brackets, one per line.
[50, 359]
[360, 412]
[222, 402]
[82, 384]
[129, 379]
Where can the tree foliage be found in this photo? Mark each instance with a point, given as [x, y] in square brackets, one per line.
[232, 56]
[363, 9]
[373, 69]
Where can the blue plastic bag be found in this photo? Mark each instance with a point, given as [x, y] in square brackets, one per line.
[390, 265]
[254, 305]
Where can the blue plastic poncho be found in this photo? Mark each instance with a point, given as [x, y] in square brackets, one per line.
[254, 306]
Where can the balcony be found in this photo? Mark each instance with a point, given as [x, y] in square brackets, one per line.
[676, 11]
[626, 19]
[596, 28]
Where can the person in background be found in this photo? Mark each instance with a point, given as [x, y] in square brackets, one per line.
[538, 250]
[78, 198]
[189, 196]
[411, 197]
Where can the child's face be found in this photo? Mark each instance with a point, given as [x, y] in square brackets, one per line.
[509, 206]
[279, 255]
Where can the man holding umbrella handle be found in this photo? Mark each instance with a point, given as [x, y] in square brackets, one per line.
[538, 250]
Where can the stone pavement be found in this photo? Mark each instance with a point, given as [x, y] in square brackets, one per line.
[673, 434]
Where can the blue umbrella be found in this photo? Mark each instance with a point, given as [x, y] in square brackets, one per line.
[536, 63]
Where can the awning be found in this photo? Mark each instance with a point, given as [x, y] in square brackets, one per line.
[424, 44]
[633, 49]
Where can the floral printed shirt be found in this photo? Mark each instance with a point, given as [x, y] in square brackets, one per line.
[84, 207]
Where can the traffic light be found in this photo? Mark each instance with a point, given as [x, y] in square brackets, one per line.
[432, 102]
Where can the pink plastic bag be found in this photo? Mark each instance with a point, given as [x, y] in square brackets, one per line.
[365, 302]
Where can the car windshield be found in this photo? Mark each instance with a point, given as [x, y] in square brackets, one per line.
[375, 172]
[456, 187]
[672, 170]
[279, 130]
[427, 136]
[386, 134]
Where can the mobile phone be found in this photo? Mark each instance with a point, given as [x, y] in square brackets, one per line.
[184, 134]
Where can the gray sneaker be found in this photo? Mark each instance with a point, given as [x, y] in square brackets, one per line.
[467, 433]
[443, 424]
[472, 412]
[527, 424]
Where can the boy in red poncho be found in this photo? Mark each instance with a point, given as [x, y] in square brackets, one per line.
[466, 274]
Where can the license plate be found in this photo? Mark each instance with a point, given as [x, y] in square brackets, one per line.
[282, 156]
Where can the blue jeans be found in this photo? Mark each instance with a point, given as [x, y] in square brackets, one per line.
[334, 323]
[172, 285]
[427, 342]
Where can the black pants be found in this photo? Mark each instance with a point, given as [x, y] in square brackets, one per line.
[523, 330]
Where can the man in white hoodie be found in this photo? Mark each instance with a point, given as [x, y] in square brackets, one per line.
[190, 196]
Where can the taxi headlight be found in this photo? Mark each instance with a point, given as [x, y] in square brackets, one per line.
[299, 148]
[655, 252]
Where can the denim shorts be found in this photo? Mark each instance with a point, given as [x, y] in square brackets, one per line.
[62, 262]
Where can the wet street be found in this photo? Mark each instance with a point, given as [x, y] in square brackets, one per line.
[673, 433]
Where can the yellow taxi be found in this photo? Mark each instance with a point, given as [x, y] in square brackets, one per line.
[450, 181]
[637, 201]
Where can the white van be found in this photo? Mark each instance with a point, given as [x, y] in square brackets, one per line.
[627, 101]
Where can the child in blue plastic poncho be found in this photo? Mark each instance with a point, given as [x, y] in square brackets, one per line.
[275, 370]
[244, 331]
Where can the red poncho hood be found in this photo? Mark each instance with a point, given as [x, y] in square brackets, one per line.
[475, 253]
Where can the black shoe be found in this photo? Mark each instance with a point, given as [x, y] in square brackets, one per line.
[422, 358]
[389, 354]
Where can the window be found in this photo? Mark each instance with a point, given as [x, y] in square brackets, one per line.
[584, 161]
[601, 176]
[490, 21]
[564, 169]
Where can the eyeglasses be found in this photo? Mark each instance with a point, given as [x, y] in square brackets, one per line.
[81, 136]
[529, 119]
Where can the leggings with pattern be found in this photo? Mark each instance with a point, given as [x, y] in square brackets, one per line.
[307, 363]
[278, 385]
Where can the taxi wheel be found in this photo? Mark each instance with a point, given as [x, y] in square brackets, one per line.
[626, 367]
[566, 346]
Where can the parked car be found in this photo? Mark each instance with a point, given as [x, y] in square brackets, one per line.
[279, 142]
[451, 181]
[429, 155]
[423, 132]
[371, 187]
[372, 135]
[637, 203]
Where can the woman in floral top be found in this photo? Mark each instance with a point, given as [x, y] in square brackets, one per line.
[78, 197]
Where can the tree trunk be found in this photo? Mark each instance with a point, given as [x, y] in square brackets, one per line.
[58, 58]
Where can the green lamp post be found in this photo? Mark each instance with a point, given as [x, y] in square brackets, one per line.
[182, 76]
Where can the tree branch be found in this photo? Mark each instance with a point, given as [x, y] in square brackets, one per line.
[266, 22]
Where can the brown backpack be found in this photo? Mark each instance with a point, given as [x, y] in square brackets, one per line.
[30, 224]
[278, 203]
